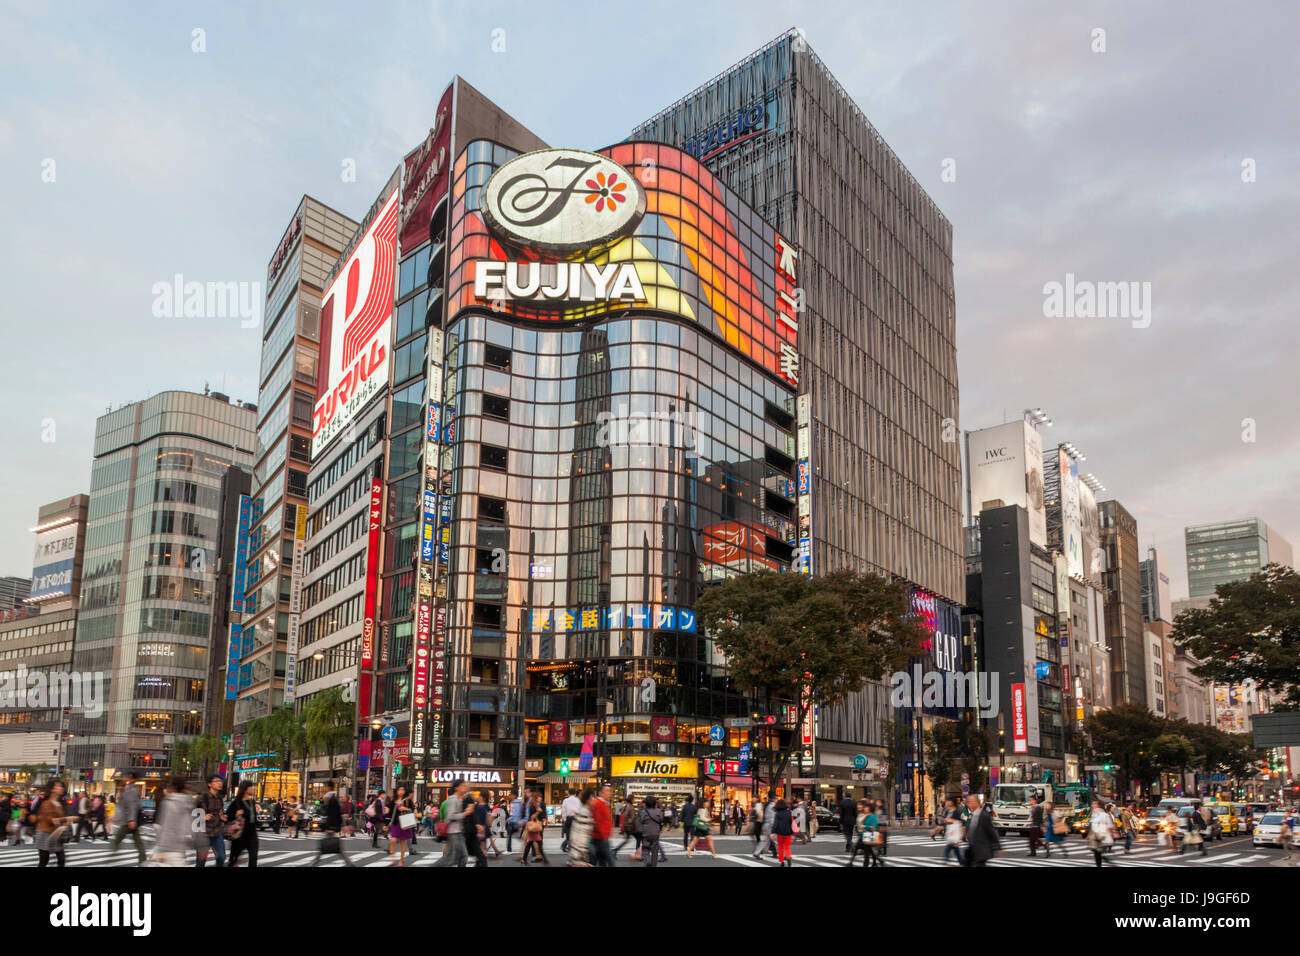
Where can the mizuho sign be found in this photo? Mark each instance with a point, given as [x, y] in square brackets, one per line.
[563, 201]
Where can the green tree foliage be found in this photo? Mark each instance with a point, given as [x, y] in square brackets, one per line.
[1251, 630]
[784, 634]
[329, 721]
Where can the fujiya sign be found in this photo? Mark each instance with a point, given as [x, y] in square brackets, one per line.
[563, 201]
[557, 282]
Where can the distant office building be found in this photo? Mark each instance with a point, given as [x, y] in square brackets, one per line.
[150, 563]
[1123, 581]
[1231, 551]
[226, 636]
[39, 636]
[13, 592]
[1157, 601]
[1013, 592]
[290, 372]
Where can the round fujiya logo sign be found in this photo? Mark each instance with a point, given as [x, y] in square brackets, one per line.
[563, 201]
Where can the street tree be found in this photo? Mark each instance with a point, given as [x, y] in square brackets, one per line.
[1250, 631]
[330, 725]
[809, 641]
[942, 746]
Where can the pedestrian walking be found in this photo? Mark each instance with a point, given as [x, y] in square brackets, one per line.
[651, 820]
[332, 824]
[534, 830]
[701, 831]
[602, 826]
[568, 807]
[982, 842]
[1193, 828]
[627, 823]
[580, 830]
[401, 824]
[1171, 830]
[242, 827]
[1101, 831]
[1127, 824]
[515, 821]
[783, 832]
[954, 832]
[1058, 828]
[1035, 825]
[52, 822]
[127, 817]
[800, 814]
[375, 814]
[869, 836]
[848, 821]
[491, 820]
[688, 813]
[209, 840]
[173, 825]
[767, 817]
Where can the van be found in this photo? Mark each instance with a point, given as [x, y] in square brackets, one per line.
[1179, 802]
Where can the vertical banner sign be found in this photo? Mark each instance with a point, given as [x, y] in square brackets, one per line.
[232, 663]
[295, 604]
[587, 753]
[372, 594]
[241, 556]
[1019, 730]
[803, 486]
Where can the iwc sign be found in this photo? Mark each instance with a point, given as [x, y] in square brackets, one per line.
[563, 201]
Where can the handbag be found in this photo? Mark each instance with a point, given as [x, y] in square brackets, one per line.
[371, 811]
[702, 824]
[235, 830]
[406, 820]
[872, 837]
[532, 826]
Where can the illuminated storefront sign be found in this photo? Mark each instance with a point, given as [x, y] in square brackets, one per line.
[553, 237]
[681, 767]
[375, 519]
[295, 604]
[660, 617]
[240, 578]
[1019, 736]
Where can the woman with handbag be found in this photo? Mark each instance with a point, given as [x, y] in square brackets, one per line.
[1057, 829]
[375, 814]
[52, 824]
[702, 832]
[533, 830]
[242, 830]
[869, 836]
[1101, 831]
[401, 824]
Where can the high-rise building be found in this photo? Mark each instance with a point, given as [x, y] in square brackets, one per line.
[1157, 599]
[13, 592]
[1231, 551]
[225, 641]
[291, 334]
[1123, 582]
[146, 595]
[872, 322]
[38, 639]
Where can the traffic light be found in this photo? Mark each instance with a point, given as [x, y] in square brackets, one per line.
[564, 766]
[147, 758]
[1108, 766]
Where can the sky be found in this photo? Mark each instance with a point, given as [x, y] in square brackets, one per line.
[144, 140]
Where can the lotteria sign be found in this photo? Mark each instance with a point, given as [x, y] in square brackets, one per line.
[455, 775]
[681, 767]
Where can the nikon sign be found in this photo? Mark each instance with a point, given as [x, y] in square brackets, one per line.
[679, 767]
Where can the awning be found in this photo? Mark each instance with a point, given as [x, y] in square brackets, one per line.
[576, 776]
[735, 780]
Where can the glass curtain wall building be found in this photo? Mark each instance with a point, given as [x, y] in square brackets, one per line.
[295, 279]
[148, 571]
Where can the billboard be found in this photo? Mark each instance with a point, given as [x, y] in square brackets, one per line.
[1019, 734]
[560, 235]
[1005, 463]
[355, 319]
[424, 178]
[1090, 524]
[375, 521]
[53, 562]
[1071, 516]
[741, 545]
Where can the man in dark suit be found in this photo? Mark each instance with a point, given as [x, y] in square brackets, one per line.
[981, 835]
[848, 817]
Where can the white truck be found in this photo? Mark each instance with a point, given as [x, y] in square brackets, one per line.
[1010, 803]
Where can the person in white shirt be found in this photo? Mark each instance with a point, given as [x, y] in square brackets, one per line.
[568, 808]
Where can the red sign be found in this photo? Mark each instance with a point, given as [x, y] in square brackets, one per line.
[1065, 678]
[424, 178]
[662, 729]
[737, 543]
[1019, 731]
[559, 731]
[372, 593]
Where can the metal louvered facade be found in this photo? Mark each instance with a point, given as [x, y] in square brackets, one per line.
[877, 341]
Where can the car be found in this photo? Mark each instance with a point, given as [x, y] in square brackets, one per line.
[826, 818]
[1150, 823]
[263, 817]
[1268, 829]
[148, 809]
